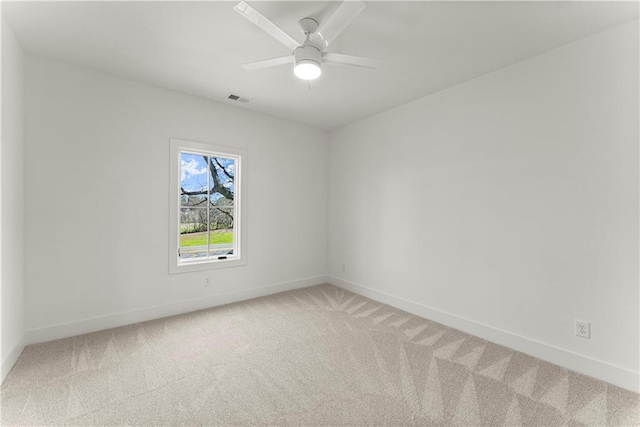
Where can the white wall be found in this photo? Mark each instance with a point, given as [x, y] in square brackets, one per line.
[12, 200]
[97, 211]
[506, 206]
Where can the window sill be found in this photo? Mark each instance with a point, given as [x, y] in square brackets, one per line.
[188, 267]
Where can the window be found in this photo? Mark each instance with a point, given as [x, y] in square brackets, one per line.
[206, 206]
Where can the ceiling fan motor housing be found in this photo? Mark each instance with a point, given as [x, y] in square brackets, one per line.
[307, 54]
[307, 61]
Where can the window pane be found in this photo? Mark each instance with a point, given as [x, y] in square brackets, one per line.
[222, 181]
[193, 233]
[222, 212]
[194, 180]
[221, 234]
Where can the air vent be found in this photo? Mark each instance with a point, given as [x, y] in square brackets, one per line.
[238, 98]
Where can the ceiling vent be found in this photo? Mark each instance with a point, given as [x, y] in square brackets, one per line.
[238, 98]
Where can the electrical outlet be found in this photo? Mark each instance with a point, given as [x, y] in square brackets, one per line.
[344, 268]
[583, 329]
[207, 281]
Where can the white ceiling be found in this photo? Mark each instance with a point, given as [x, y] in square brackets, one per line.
[197, 47]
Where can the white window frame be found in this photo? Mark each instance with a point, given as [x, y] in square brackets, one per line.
[239, 258]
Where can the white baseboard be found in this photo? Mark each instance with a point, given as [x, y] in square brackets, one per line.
[11, 359]
[613, 374]
[99, 323]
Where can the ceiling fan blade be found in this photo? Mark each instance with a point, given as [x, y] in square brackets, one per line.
[268, 63]
[269, 27]
[343, 16]
[358, 61]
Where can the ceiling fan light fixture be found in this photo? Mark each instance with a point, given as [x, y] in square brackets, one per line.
[307, 70]
[307, 61]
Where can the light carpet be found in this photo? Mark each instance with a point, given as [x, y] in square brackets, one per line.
[314, 356]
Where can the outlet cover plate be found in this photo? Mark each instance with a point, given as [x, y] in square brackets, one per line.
[583, 329]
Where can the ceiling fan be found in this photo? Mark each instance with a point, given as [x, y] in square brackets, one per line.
[309, 56]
